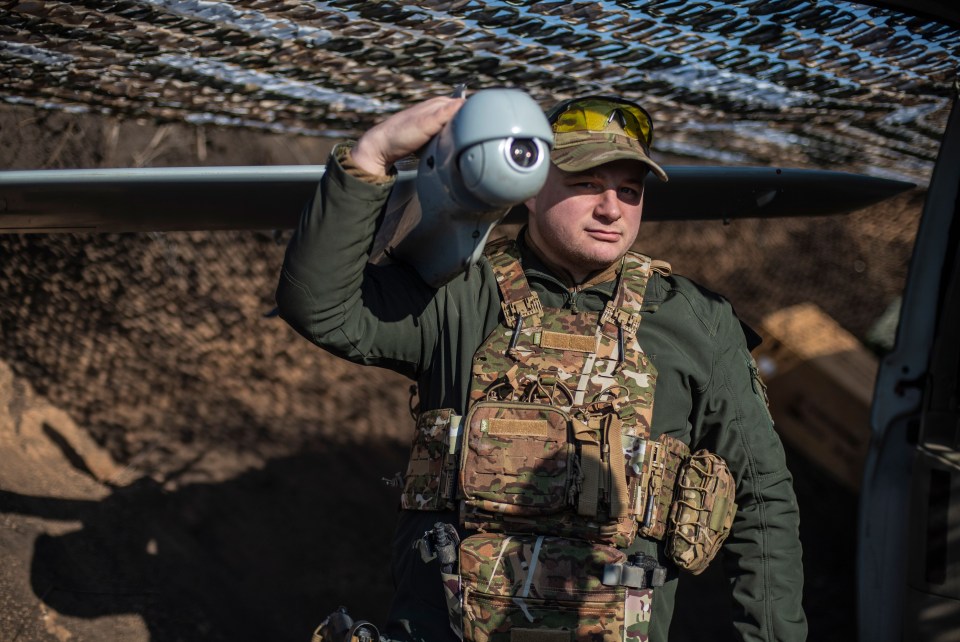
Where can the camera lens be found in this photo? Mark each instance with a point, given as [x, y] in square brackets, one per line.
[523, 152]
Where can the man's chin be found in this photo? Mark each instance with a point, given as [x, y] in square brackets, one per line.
[602, 255]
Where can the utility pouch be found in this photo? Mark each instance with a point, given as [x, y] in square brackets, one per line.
[529, 467]
[663, 460]
[516, 458]
[520, 588]
[432, 471]
[702, 513]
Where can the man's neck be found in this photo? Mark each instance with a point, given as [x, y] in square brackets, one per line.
[569, 280]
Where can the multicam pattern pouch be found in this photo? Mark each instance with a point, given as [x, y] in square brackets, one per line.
[431, 472]
[702, 513]
[517, 458]
[541, 589]
[664, 459]
[531, 467]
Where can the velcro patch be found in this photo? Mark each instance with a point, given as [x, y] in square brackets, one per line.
[571, 342]
[518, 427]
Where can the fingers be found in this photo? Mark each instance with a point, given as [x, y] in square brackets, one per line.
[403, 133]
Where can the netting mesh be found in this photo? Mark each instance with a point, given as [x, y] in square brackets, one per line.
[788, 82]
[162, 343]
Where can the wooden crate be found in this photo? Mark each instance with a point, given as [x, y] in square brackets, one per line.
[820, 383]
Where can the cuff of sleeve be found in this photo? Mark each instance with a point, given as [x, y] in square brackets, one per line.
[342, 155]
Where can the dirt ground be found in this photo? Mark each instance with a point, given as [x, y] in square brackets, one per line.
[177, 464]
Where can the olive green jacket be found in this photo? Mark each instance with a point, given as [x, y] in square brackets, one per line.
[708, 393]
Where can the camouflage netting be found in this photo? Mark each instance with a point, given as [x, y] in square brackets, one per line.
[160, 343]
[788, 82]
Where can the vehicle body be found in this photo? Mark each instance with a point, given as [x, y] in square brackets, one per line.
[909, 537]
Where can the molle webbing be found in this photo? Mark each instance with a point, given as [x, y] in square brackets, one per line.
[578, 482]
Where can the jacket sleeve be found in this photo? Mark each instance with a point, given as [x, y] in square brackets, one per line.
[762, 555]
[329, 293]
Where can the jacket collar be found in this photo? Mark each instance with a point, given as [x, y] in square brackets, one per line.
[603, 282]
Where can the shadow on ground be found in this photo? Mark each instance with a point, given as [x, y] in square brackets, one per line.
[263, 556]
[266, 555]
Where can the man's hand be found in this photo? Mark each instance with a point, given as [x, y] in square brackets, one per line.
[403, 133]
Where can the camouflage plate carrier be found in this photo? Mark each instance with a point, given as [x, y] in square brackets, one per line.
[553, 465]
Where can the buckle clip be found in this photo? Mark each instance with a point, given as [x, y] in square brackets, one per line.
[638, 572]
[628, 321]
[529, 306]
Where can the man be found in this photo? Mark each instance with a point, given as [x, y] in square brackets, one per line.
[572, 256]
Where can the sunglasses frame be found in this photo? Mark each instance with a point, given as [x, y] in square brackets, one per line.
[554, 114]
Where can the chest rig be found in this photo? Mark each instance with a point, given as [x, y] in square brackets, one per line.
[553, 465]
[561, 404]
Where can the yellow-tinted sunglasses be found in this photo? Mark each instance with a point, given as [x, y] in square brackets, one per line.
[595, 113]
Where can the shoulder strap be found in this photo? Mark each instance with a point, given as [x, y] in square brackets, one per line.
[623, 310]
[663, 267]
[516, 297]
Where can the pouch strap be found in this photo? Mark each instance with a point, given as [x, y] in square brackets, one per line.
[619, 492]
[518, 301]
[590, 468]
[623, 310]
[532, 569]
[590, 488]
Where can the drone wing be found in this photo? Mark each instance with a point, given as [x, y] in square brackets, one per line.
[272, 197]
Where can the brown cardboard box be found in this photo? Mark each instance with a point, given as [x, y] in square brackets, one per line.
[820, 383]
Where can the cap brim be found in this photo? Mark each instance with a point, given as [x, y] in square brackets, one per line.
[587, 155]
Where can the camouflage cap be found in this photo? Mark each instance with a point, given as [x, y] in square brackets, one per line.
[576, 151]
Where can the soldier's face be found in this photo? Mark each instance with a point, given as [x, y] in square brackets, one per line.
[584, 221]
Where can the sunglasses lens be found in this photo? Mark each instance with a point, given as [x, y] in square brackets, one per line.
[595, 115]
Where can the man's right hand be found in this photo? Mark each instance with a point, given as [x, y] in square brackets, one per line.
[403, 134]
